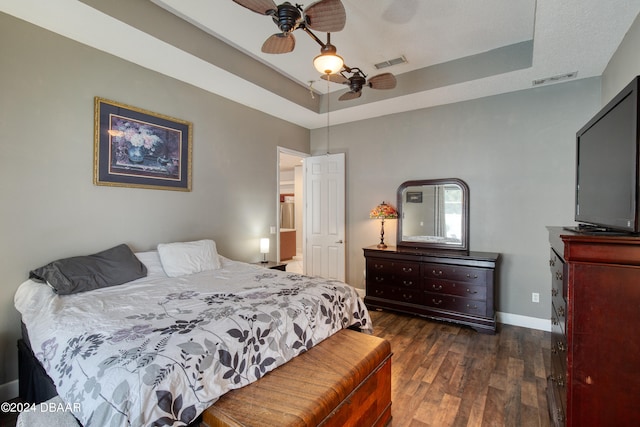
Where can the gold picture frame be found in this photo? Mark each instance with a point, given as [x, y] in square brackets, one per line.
[138, 148]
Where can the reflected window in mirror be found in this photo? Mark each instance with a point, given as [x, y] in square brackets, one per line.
[433, 214]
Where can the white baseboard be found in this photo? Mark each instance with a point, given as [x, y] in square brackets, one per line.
[524, 321]
[9, 391]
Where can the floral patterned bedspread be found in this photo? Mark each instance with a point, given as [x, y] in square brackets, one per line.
[159, 350]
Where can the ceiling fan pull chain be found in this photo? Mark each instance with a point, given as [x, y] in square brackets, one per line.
[328, 95]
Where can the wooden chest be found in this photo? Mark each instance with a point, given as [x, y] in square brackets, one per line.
[343, 381]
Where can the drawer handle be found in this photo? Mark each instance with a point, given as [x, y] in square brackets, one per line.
[436, 302]
[473, 307]
[561, 346]
[475, 276]
[407, 297]
[379, 279]
[559, 416]
[436, 273]
[554, 292]
[407, 282]
[558, 380]
[378, 266]
[437, 287]
[469, 291]
[561, 311]
[558, 275]
[552, 262]
[554, 321]
[407, 269]
[378, 291]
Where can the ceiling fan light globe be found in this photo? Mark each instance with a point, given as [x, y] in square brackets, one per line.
[328, 63]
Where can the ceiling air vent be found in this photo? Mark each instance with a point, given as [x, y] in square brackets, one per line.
[555, 79]
[390, 62]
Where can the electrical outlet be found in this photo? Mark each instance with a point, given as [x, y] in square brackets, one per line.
[535, 297]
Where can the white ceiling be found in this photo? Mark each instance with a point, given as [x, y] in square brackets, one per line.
[434, 36]
[425, 32]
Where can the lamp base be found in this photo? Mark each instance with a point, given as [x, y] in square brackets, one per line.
[381, 245]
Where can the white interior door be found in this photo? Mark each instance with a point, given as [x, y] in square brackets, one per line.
[324, 223]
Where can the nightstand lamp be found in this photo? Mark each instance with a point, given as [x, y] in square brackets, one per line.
[383, 211]
[264, 248]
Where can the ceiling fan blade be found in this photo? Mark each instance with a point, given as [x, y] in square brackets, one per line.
[259, 6]
[382, 81]
[349, 95]
[279, 43]
[335, 78]
[327, 16]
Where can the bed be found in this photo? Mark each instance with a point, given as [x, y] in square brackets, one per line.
[164, 347]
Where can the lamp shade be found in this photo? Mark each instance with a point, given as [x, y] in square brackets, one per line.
[264, 245]
[383, 211]
[328, 62]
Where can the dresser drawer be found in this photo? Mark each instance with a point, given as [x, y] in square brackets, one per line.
[406, 269]
[558, 379]
[411, 296]
[470, 275]
[454, 303]
[559, 317]
[476, 292]
[378, 266]
[559, 348]
[558, 272]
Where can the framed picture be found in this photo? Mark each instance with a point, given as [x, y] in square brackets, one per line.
[137, 148]
[414, 196]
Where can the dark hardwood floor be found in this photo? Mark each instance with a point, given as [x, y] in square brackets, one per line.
[447, 375]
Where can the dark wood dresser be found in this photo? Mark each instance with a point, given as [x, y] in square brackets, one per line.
[595, 348]
[443, 285]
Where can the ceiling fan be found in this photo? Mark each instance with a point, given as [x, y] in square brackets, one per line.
[323, 15]
[358, 80]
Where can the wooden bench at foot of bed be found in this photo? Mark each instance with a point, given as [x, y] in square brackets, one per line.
[343, 381]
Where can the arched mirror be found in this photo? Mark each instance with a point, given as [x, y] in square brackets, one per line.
[433, 213]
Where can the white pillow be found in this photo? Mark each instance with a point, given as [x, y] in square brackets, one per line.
[151, 260]
[182, 258]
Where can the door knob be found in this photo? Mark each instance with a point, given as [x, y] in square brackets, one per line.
[340, 241]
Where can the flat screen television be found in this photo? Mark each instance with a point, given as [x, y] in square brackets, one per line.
[607, 166]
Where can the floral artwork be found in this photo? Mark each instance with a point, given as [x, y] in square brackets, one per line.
[137, 148]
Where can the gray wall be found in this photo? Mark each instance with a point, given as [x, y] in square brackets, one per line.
[516, 153]
[624, 65]
[49, 207]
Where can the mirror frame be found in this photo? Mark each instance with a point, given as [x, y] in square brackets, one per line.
[464, 244]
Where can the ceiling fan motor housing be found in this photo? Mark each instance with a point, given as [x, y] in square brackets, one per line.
[287, 17]
[356, 82]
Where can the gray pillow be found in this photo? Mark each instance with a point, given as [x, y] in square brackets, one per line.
[112, 267]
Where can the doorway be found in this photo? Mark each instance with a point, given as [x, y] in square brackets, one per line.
[290, 213]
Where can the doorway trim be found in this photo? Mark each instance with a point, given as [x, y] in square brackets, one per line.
[283, 150]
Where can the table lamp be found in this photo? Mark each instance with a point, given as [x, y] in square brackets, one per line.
[264, 248]
[383, 211]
